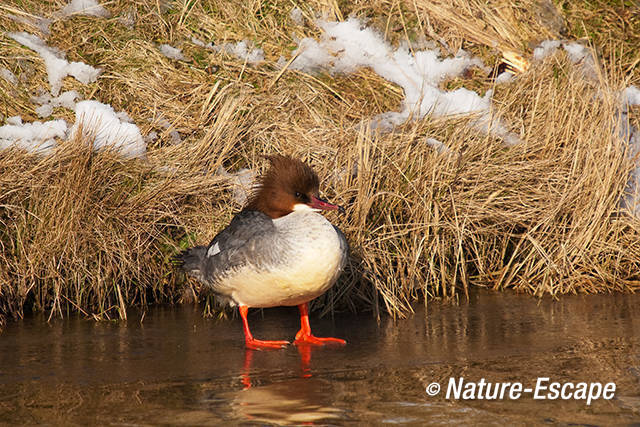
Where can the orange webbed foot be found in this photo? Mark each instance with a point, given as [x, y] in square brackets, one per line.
[308, 339]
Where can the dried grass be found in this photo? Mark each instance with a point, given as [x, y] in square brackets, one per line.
[94, 233]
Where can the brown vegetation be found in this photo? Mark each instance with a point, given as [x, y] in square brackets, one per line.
[95, 233]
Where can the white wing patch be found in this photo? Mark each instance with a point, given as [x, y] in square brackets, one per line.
[215, 249]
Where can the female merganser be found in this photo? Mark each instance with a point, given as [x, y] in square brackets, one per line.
[278, 251]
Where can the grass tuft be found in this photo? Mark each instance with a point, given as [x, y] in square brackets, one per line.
[91, 232]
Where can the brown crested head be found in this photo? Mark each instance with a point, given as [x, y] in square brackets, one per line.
[288, 185]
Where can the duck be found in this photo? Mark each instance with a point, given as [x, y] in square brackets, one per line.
[279, 250]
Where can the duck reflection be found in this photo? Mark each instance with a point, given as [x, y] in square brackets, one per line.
[301, 400]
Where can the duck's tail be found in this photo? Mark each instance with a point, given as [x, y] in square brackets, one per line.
[191, 260]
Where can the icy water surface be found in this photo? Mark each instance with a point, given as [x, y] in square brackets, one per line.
[177, 368]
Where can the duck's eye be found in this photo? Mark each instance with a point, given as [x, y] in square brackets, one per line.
[298, 195]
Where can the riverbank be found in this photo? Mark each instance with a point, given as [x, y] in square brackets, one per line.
[451, 179]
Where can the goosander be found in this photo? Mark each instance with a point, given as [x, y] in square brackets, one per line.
[278, 251]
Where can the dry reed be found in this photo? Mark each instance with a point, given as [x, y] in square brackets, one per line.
[94, 233]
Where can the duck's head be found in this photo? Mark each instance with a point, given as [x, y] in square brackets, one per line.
[288, 185]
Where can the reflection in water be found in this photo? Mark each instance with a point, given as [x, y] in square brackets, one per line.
[305, 363]
[305, 360]
[179, 368]
[291, 401]
[295, 401]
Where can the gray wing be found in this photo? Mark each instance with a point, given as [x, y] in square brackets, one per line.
[240, 242]
[345, 247]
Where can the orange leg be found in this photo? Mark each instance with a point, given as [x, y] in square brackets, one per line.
[304, 335]
[250, 341]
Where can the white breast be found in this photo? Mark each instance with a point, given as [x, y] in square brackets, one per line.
[311, 255]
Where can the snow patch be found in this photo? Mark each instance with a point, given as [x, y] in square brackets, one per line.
[546, 48]
[172, 52]
[38, 22]
[578, 54]
[128, 18]
[629, 97]
[439, 146]
[200, 43]
[14, 120]
[99, 122]
[35, 137]
[123, 116]
[48, 103]
[576, 51]
[8, 76]
[281, 62]
[504, 77]
[296, 16]
[151, 136]
[174, 134]
[242, 50]
[44, 110]
[347, 46]
[241, 183]
[57, 66]
[85, 7]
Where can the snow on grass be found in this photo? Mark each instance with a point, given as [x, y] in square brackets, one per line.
[85, 7]
[577, 53]
[347, 46]
[57, 66]
[631, 97]
[128, 18]
[14, 120]
[8, 76]
[36, 137]
[296, 16]
[100, 123]
[504, 77]
[97, 121]
[171, 52]
[48, 103]
[173, 133]
[200, 43]
[240, 50]
[241, 183]
[34, 21]
[151, 136]
[582, 57]
[546, 48]
[438, 145]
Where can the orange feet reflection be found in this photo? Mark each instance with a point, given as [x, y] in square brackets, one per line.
[305, 360]
[246, 368]
[305, 364]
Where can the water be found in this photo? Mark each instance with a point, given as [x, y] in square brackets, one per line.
[177, 368]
